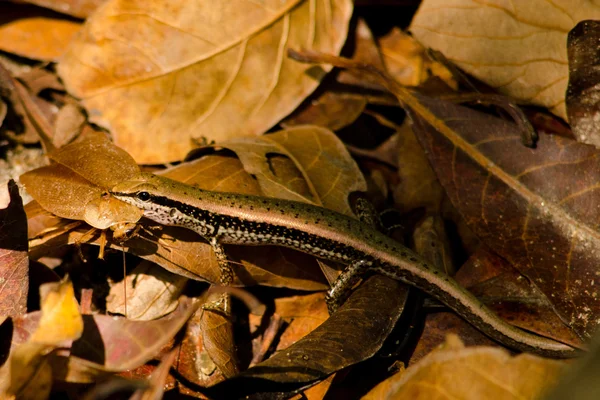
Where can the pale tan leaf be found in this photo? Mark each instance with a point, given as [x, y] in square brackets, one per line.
[328, 172]
[518, 47]
[458, 372]
[160, 74]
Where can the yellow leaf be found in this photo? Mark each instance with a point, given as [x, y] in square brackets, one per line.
[61, 319]
[518, 47]
[160, 74]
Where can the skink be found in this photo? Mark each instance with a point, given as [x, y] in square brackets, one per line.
[230, 218]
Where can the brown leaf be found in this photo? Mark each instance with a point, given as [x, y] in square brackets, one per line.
[582, 92]
[352, 334]
[303, 314]
[513, 298]
[75, 187]
[152, 292]
[32, 112]
[155, 75]
[335, 109]
[218, 341]
[418, 186]
[523, 203]
[14, 261]
[34, 33]
[407, 60]
[456, 372]
[329, 172]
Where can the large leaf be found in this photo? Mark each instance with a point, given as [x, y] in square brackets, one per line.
[160, 74]
[519, 47]
[535, 207]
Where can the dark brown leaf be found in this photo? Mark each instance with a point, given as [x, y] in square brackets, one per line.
[583, 101]
[14, 261]
[354, 333]
[531, 206]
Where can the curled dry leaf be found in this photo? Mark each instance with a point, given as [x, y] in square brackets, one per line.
[519, 48]
[352, 334]
[35, 114]
[456, 372]
[75, 186]
[160, 75]
[320, 158]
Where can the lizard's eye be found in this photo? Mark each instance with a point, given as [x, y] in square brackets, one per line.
[143, 196]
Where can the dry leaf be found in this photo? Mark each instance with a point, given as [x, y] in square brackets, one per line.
[319, 157]
[162, 74]
[34, 33]
[407, 61]
[519, 48]
[335, 109]
[152, 292]
[14, 267]
[75, 186]
[60, 322]
[419, 186]
[456, 372]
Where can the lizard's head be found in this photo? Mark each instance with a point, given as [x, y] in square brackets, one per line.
[142, 192]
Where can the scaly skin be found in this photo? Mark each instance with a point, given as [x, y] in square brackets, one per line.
[229, 218]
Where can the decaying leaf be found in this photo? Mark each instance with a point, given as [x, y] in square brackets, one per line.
[491, 373]
[181, 71]
[523, 202]
[519, 48]
[582, 92]
[14, 265]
